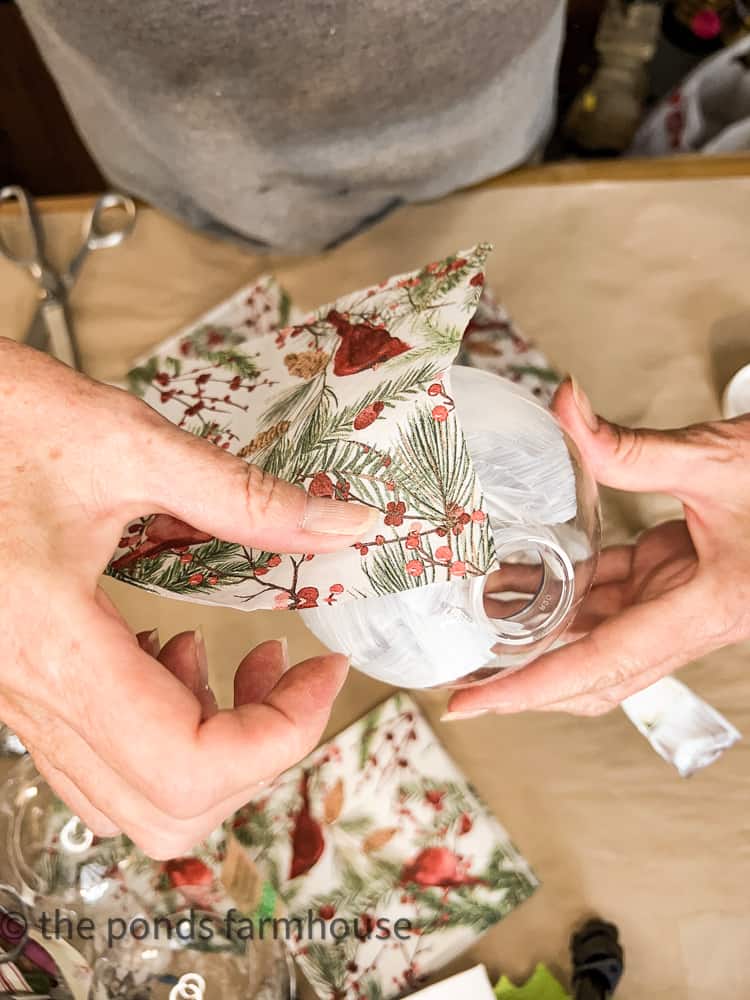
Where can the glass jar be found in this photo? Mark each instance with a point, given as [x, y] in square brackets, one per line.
[544, 515]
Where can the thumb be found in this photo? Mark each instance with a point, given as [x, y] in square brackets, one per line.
[633, 459]
[165, 469]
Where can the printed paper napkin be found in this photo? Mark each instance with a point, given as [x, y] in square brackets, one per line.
[493, 342]
[352, 403]
[385, 855]
[375, 848]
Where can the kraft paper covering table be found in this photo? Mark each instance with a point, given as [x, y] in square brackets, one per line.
[640, 287]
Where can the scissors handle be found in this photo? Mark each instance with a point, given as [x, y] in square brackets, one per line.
[29, 218]
[97, 234]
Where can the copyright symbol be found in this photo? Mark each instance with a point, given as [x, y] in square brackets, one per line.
[14, 926]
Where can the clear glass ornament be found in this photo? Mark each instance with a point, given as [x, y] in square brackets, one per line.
[53, 858]
[10, 745]
[544, 516]
[192, 955]
[61, 875]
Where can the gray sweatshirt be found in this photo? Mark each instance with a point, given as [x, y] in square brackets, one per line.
[293, 124]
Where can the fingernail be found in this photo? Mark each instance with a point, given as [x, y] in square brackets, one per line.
[337, 517]
[284, 644]
[459, 716]
[584, 406]
[152, 643]
[201, 655]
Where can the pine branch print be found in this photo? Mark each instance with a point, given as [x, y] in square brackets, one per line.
[348, 404]
[459, 908]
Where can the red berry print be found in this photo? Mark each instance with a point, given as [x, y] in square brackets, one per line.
[321, 486]
[394, 512]
[440, 413]
[307, 597]
[435, 798]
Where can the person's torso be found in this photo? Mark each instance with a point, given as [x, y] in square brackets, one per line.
[293, 122]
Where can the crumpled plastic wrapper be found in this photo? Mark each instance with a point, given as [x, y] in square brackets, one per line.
[683, 729]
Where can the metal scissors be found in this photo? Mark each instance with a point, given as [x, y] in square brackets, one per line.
[51, 329]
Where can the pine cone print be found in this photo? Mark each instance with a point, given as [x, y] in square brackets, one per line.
[307, 364]
[368, 415]
[262, 440]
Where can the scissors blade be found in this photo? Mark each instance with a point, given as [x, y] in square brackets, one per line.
[37, 335]
[60, 344]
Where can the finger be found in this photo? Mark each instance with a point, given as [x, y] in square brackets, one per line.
[179, 765]
[292, 719]
[511, 588]
[615, 564]
[601, 603]
[663, 558]
[684, 462]
[260, 671]
[235, 501]
[514, 576]
[108, 805]
[70, 793]
[656, 636]
[184, 655]
[601, 702]
[149, 642]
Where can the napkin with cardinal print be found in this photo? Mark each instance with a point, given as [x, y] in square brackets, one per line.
[374, 827]
[352, 402]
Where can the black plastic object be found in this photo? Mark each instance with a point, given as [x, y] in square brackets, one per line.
[597, 961]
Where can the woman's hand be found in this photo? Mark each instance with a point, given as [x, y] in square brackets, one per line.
[682, 590]
[124, 731]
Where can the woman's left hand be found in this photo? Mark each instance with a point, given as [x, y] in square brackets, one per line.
[682, 590]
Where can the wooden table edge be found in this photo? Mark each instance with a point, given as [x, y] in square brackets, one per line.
[670, 168]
